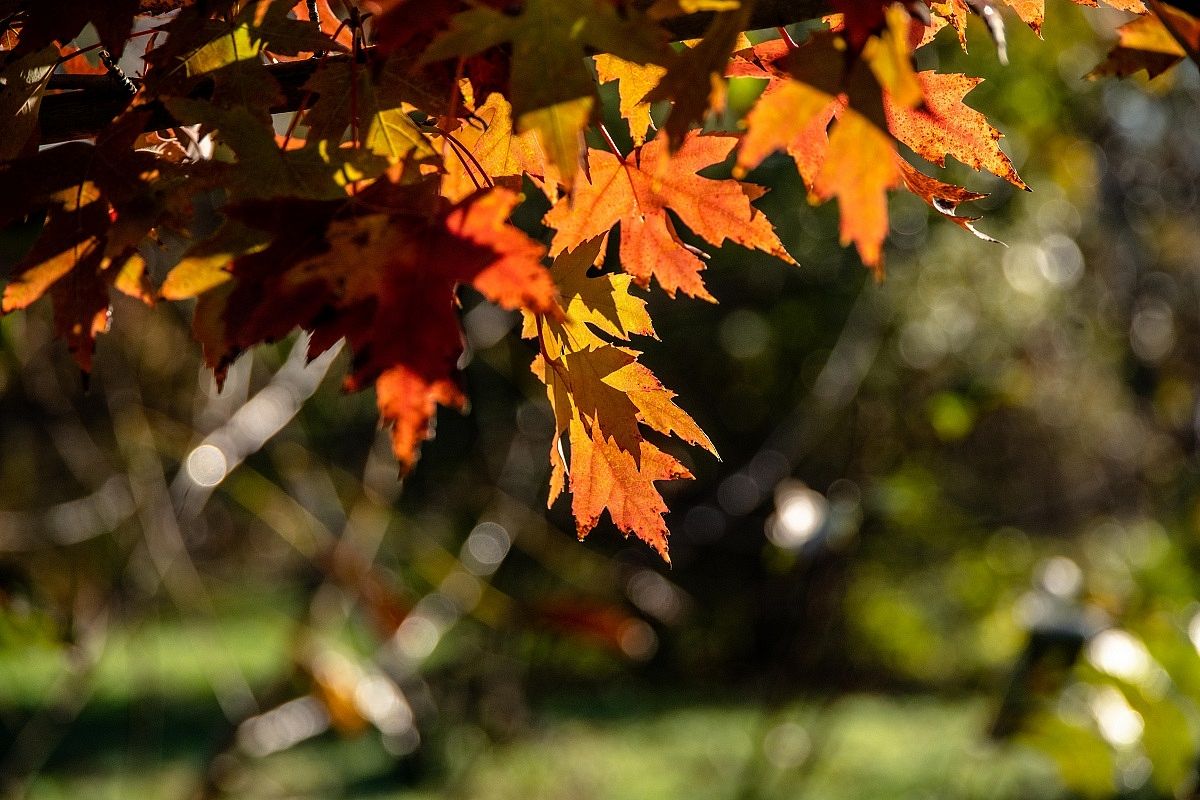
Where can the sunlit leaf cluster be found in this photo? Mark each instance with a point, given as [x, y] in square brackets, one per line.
[367, 160]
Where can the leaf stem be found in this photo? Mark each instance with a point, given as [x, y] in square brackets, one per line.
[464, 155]
[314, 16]
[624, 166]
[612, 145]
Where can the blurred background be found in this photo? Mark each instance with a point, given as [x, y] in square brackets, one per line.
[951, 550]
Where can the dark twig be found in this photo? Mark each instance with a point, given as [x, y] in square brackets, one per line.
[116, 73]
[314, 15]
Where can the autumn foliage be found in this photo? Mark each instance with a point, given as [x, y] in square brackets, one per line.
[369, 157]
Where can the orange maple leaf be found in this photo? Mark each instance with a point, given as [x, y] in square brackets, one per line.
[381, 271]
[635, 81]
[636, 192]
[601, 395]
[945, 125]
[486, 149]
[603, 476]
[1033, 12]
[942, 197]
[1147, 43]
[68, 262]
[602, 398]
[844, 154]
[859, 169]
[788, 115]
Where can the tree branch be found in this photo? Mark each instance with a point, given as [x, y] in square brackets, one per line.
[90, 102]
[766, 14]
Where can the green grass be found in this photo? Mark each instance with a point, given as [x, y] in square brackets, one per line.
[152, 720]
[858, 748]
[855, 748]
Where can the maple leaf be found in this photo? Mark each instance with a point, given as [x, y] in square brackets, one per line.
[603, 476]
[379, 270]
[947, 12]
[321, 170]
[887, 51]
[487, 149]
[838, 151]
[202, 267]
[552, 37]
[943, 198]
[46, 22]
[22, 85]
[842, 153]
[602, 397]
[1146, 43]
[101, 200]
[350, 97]
[590, 305]
[68, 260]
[635, 81]
[1033, 12]
[697, 74]
[636, 192]
[858, 169]
[788, 115]
[945, 125]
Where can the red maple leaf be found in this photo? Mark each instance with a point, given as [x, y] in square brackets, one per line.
[380, 270]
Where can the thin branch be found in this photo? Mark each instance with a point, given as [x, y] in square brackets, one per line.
[767, 13]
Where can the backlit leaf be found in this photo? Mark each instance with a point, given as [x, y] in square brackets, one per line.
[636, 193]
[1145, 43]
[381, 272]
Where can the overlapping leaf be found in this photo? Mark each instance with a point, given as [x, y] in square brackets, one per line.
[945, 125]
[322, 170]
[839, 130]
[379, 271]
[349, 98]
[398, 173]
[697, 74]
[602, 398]
[202, 49]
[486, 149]
[1148, 43]
[101, 200]
[549, 38]
[43, 23]
[637, 191]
